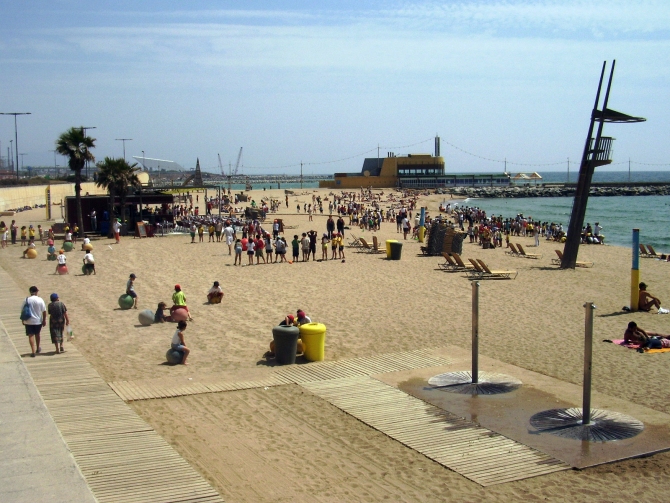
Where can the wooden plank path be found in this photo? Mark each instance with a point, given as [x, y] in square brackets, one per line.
[121, 457]
[481, 455]
[290, 374]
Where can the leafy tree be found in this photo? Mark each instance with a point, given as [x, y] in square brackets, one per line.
[76, 146]
[116, 175]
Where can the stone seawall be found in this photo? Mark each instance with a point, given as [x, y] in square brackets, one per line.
[540, 191]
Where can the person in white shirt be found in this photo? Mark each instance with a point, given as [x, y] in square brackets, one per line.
[62, 261]
[37, 320]
[89, 263]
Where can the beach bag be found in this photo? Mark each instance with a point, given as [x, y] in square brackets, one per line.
[25, 311]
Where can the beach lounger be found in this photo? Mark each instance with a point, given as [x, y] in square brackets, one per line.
[457, 258]
[498, 274]
[512, 250]
[449, 263]
[652, 252]
[558, 260]
[522, 253]
[643, 251]
[355, 242]
[375, 246]
[365, 247]
[476, 271]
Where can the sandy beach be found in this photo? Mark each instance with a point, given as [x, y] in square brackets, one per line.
[285, 444]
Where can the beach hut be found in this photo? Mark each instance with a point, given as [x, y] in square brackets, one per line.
[520, 177]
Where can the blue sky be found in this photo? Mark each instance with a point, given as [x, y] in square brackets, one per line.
[317, 82]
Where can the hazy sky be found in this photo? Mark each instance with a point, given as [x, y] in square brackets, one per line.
[316, 82]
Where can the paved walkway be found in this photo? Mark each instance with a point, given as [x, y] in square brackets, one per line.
[36, 464]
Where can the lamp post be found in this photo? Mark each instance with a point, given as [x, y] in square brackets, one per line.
[22, 159]
[124, 140]
[11, 154]
[16, 137]
[84, 131]
[143, 161]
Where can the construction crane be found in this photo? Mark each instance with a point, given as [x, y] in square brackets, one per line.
[237, 164]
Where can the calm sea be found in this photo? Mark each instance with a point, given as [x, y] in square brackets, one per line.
[618, 215]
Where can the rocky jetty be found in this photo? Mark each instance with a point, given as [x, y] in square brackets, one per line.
[559, 191]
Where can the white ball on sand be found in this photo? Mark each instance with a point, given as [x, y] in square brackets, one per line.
[146, 317]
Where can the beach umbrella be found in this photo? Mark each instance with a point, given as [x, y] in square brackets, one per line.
[535, 176]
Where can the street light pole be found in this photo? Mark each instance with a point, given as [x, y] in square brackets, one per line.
[11, 153]
[143, 161]
[16, 137]
[22, 159]
[84, 131]
[124, 140]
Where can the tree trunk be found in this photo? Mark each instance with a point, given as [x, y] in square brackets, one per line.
[77, 192]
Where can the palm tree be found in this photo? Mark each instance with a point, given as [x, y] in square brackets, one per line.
[116, 175]
[76, 146]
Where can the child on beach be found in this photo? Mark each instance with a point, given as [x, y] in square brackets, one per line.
[333, 246]
[215, 294]
[304, 244]
[280, 250]
[268, 248]
[159, 316]
[62, 260]
[295, 244]
[251, 247]
[324, 246]
[4, 233]
[193, 230]
[23, 235]
[40, 234]
[179, 301]
[178, 343]
[238, 252]
[75, 233]
[130, 289]
[201, 232]
[259, 246]
[340, 245]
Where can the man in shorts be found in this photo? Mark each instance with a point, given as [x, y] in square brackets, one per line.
[37, 320]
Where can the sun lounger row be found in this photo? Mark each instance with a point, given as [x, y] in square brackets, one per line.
[648, 251]
[516, 250]
[365, 246]
[476, 269]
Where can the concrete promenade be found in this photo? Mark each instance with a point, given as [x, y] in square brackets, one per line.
[36, 464]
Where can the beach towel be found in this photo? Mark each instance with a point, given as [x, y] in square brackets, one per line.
[637, 346]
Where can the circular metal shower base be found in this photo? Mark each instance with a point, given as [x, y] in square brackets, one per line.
[461, 382]
[605, 426]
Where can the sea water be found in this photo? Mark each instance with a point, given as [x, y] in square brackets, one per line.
[618, 215]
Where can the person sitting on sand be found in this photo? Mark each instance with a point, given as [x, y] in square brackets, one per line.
[159, 316]
[288, 321]
[84, 243]
[646, 300]
[178, 342]
[215, 294]
[179, 301]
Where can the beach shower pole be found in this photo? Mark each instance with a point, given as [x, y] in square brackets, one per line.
[422, 224]
[475, 332]
[635, 272]
[588, 361]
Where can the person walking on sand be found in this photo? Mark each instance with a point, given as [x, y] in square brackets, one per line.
[58, 320]
[36, 320]
[130, 289]
[178, 342]
[116, 227]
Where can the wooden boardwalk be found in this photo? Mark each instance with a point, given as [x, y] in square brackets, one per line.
[481, 455]
[121, 457]
[290, 374]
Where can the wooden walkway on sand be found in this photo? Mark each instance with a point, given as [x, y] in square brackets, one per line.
[121, 457]
[290, 374]
[481, 455]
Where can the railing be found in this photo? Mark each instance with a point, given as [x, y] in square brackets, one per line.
[603, 153]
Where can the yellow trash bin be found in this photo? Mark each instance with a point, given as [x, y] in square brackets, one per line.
[388, 247]
[313, 337]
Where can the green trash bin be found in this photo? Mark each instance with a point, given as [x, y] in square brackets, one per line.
[388, 247]
[396, 250]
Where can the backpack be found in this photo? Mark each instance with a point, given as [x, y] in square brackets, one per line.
[26, 314]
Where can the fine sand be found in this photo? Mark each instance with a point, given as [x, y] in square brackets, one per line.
[284, 444]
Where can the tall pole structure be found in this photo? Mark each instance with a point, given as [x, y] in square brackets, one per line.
[84, 128]
[124, 140]
[596, 153]
[11, 155]
[16, 137]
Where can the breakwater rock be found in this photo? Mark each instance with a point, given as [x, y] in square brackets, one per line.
[559, 191]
